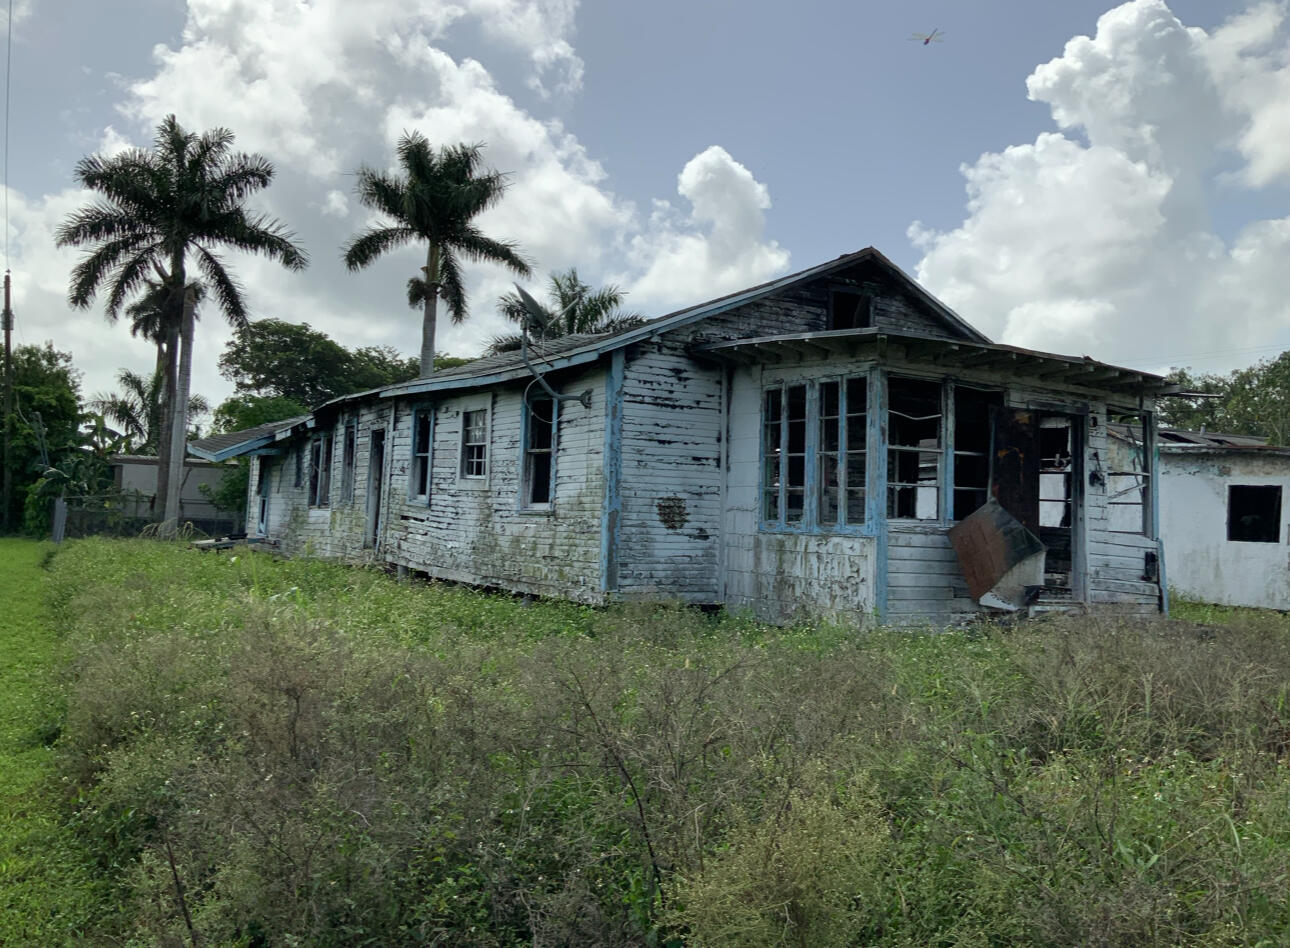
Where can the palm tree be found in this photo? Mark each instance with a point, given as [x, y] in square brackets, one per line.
[160, 211]
[434, 200]
[572, 307]
[137, 409]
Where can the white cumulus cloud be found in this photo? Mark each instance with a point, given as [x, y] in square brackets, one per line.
[1100, 238]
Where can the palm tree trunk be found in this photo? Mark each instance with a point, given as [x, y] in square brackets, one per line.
[179, 417]
[430, 310]
[170, 381]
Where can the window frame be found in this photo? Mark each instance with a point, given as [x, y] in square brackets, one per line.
[415, 457]
[528, 452]
[811, 521]
[464, 479]
[348, 461]
[320, 470]
[865, 304]
[1277, 517]
[1147, 427]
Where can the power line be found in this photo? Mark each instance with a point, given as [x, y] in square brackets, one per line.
[8, 69]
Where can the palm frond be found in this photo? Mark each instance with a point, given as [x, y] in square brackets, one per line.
[471, 242]
[364, 249]
[451, 288]
[228, 293]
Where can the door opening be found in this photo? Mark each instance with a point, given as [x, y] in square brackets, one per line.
[375, 465]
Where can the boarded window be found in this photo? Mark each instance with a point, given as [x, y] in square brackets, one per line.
[972, 448]
[1254, 513]
[474, 443]
[348, 448]
[539, 451]
[320, 471]
[1129, 478]
[850, 309]
[422, 441]
[914, 449]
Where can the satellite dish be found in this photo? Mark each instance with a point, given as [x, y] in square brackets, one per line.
[535, 315]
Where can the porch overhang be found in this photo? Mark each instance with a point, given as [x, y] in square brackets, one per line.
[948, 354]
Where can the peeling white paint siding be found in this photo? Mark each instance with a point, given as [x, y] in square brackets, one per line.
[1201, 562]
[785, 576]
[476, 530]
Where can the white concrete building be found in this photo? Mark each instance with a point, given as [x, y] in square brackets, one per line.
[1224, 518]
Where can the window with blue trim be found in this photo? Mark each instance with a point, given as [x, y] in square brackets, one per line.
[539, 451]
[813, 449]
[422, 454]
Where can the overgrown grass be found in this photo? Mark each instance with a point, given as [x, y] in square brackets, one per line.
[269, 752]
[49, 893]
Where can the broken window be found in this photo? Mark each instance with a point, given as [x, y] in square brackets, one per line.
[474, 443]
[422, 442]
[850, 309]
[842, 418]
[347, 463]
[817, 427]
[1055, 466]
[320, 471]
[1128, 481]
[539, 451]
[1254, 513]
[972, 409]
[914, 449]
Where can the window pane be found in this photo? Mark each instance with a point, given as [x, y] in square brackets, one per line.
[797, 419]
[539, 478]
[796, 472]
[828, 514]
[795, 504]
[915, 413]
[1254, 513]
[770, 504]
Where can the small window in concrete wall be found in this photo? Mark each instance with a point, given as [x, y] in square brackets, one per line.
[539, 451]
[474, 443]
[1128, 482]
[972, 409]
[850, 309]
[320, 471]
[1254, 513]
[914, 434]
[347, 463]
[422, 449]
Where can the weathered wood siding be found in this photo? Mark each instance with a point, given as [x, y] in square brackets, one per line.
[782, 577]
[476, 531]
[337, 529]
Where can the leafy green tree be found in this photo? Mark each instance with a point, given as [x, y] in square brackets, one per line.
[161, 211]
[572, 307]
[46, 429]
[434, 201]
[1254, 401]
[274, 358]
[138, 411]
[237, 414]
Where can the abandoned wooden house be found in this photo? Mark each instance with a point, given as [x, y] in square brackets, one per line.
[806, 447]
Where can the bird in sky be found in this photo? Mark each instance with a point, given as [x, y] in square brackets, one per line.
[935, 36]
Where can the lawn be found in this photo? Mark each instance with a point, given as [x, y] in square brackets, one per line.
[49, 892]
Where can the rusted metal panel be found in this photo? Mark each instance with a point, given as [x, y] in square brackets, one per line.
[989, 543]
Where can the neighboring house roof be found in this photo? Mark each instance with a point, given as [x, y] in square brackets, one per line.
[1210, 439]
[221, 447]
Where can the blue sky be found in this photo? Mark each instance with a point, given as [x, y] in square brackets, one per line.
[1123, 195]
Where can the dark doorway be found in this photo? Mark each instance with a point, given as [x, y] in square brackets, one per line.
[375, 467]
[1035, 476]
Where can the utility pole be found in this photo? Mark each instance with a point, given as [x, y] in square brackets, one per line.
[8, 406]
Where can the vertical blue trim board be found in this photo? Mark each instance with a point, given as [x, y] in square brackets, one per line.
[611, 510]
[876, 489]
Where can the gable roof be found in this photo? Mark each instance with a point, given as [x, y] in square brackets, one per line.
[579, 350]
[221, 447]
